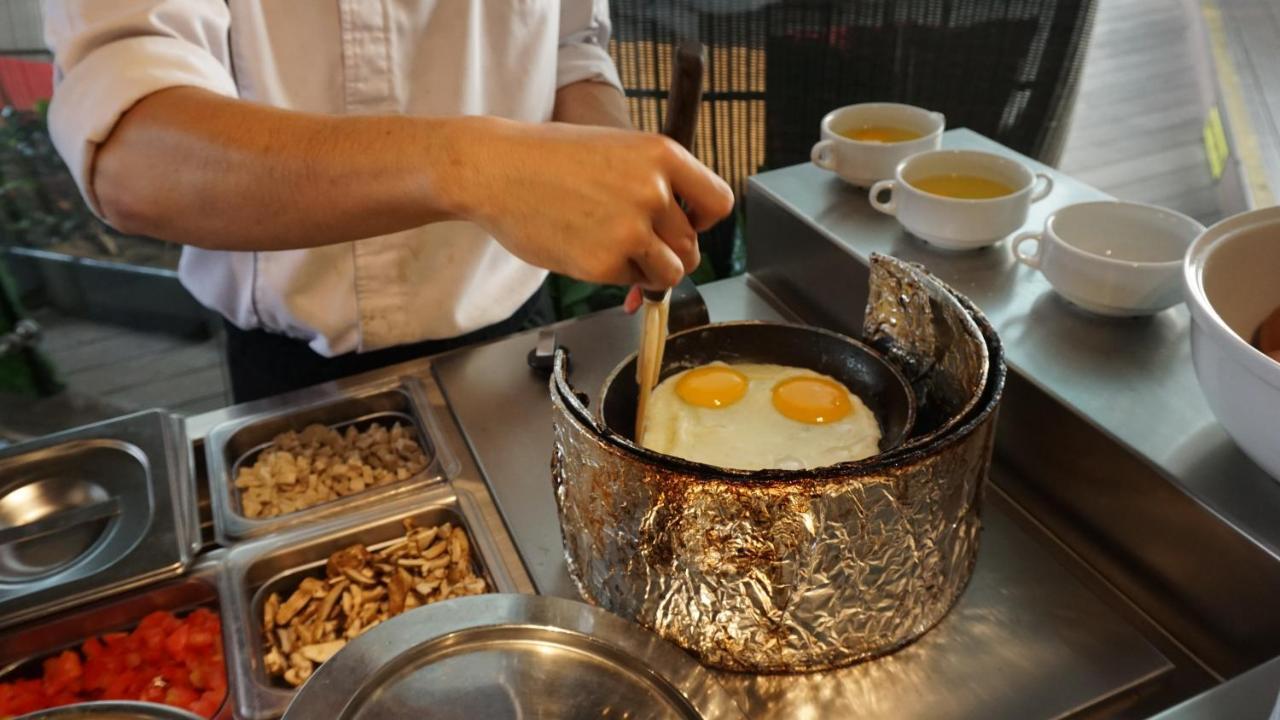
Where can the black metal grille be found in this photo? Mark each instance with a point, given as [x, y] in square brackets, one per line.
[1005, 68]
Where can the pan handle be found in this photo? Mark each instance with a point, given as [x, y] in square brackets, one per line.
[688, 308]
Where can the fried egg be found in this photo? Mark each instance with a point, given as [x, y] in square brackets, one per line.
[755, 416]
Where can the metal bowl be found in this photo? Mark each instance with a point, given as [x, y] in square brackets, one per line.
[505, 657]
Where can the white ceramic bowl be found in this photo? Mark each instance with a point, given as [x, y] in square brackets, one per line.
[1112, 257]
[861, 163]
[1232, 274]
[954, 223]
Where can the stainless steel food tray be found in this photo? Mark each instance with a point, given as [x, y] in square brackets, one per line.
[236, 442]
[503, 657]
[256, 567]
[23, 648]
[93, 511]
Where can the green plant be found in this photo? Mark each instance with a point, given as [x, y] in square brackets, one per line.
[24, 371]
[41, 207]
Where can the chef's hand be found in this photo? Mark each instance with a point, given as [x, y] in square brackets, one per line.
[598, 204]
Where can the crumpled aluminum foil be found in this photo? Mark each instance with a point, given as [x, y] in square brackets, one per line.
[784, 575]
[910, 318]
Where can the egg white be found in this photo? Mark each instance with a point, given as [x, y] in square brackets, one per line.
[751, 434]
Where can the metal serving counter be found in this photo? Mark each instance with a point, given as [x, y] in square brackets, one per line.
[1129, 556]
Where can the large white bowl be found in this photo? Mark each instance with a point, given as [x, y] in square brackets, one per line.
[1232, 274]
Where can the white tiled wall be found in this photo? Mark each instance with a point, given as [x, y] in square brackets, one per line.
[20, 26]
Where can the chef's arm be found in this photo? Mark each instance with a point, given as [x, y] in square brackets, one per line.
[205, 170]
[194, 167]
[191, 166]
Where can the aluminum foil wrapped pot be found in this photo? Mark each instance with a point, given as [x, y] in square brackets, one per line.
[790, 570]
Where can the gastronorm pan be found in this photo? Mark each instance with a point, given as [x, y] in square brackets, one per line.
[257, 567]
[238, 442]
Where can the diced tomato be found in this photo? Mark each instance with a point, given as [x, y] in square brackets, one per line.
[200, 639]
[164, 659]
[153, 693]
[176, 642]
[21, 697]
[92, 648]
[209, 703]
[62, 673]
[181, 696]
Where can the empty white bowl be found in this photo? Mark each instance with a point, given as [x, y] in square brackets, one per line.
[1232, 276]
[1112, 257]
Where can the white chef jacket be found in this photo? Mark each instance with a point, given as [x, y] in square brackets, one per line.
[345, 57]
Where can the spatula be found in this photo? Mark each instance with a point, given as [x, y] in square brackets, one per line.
[682, 116]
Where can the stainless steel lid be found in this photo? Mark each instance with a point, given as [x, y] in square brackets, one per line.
[92, 511]
[112, 710]
[510, 656]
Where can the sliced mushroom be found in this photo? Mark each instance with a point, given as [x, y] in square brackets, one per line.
[363, 588]
[273, 661]
[269, 610]
[296, 602]
[321, 652]
[435, 550]
[397, 589]
[326, 605]
[357, 576]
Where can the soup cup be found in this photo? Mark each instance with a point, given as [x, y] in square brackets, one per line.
[863, 162]
[1111, 257]
[954, 223]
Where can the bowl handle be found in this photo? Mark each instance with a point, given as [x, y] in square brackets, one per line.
[1043, 192]
[888, 208]
[822, 156]
[1032, 260]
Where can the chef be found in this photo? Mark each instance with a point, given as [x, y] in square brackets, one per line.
[359, 182]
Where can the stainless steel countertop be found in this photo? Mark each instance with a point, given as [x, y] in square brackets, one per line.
[1027, 640]
[1132, 377]
[1255, 695]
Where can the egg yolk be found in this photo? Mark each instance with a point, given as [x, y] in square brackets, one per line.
[712, 386]
[811, 400]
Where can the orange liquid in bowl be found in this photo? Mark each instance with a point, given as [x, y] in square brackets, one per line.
[963, 187]
[881, 134]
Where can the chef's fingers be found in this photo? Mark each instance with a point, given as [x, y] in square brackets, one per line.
[658, 265]
[708, 198]
[634, 300]
[672, 225]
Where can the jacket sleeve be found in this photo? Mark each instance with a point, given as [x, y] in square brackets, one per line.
[108, 55]
[584, 43]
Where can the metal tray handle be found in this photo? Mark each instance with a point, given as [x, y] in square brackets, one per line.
[60, 521]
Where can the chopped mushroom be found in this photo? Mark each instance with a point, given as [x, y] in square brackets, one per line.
[319, 464]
